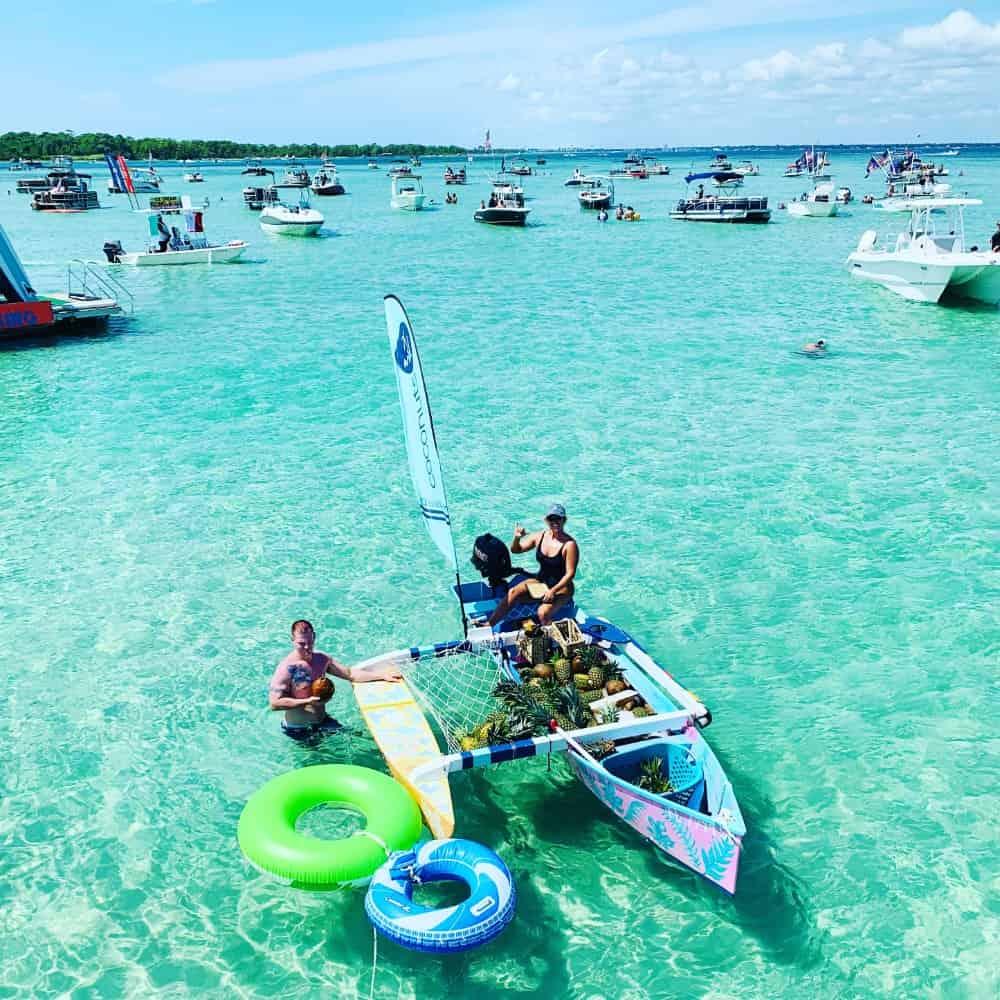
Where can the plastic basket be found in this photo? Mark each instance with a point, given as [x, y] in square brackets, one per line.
[687, 779]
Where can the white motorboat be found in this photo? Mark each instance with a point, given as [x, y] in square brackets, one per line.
[190, 247]
[505, 207]
[720, 162]
[903, 197]
[576, 179]
[407, 193]
[927, 260]
[194, 177]
[372, 165]
[820, 203]
[599, 192]
[747, 169]
[326, 182]
[949, 152]
[291, 220]
[400, 168]
[296, 176]
[654, 168]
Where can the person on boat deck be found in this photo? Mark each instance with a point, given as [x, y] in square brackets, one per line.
[995, 240]
[162, 233]
[557, 554]
[700, 193]
[291, 688]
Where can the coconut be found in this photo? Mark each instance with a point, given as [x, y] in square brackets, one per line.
[615, 687]
[322, 688]
[542, 670]
[579, 665]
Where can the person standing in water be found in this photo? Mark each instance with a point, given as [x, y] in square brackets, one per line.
[291, 689]
[557, 554]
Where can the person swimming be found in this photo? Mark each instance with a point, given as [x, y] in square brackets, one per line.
[817, 347]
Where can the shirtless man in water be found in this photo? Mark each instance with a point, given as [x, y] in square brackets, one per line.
[291, 685]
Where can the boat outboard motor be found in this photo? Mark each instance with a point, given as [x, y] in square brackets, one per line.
[113, 250]
[492, 558]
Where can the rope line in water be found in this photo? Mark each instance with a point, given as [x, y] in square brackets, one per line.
[371, 992]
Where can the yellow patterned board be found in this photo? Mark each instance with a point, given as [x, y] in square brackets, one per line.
[400, 729]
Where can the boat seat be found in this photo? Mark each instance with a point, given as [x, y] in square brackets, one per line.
[868, 240]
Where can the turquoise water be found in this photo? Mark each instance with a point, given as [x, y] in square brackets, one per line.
[810, 545]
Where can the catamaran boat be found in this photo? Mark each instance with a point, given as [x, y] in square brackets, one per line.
[927, 260]
[454, 176]
[595, 194]
[637, 745]
[281, 219]
[720, 208]
[504, 208]
[326, 183]
[296, 176]
[576, 179]
[195, 177]
[407, 193]
[91, 297]
[820, 203]
[69, 192]
[189, 247]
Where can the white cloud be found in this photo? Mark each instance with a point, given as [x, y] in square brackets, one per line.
[509, 82]
[959, 30]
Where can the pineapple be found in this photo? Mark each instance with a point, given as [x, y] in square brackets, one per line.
[563, 670]
[642, 711]
[581, 682]
[598, 676]
[588, 695]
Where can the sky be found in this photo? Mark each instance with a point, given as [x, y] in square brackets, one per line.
[549, 74]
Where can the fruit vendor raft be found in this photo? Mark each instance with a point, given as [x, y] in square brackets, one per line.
[580, 686]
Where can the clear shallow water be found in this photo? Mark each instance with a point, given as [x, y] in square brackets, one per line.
[811, 545]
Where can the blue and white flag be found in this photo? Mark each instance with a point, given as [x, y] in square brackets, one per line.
[418, 429]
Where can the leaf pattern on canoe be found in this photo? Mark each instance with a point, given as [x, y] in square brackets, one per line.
[680, 828]
[716, 859]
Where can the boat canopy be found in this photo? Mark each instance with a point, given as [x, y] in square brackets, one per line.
[719, 175]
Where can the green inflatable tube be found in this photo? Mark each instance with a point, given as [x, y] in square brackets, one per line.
[268, 837]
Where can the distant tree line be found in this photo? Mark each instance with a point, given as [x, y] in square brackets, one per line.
[43, 145]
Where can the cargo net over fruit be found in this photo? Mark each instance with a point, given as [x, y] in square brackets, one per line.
[476, 703]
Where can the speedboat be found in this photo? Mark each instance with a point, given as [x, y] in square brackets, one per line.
[194, 177]
[281, 219]
[820, 203]
[454, 176]
[576, 179]
[949, 152]
[407, 193]
[326, 183]
[927, 260]
[518, 167]
[720, 162]
[722, 207]
[596, 195]
[900, 199]
[296, 176]
[844, 195]
[400, 168]
[372, 165]
[505, 207]
[190, 247]
[747, 169]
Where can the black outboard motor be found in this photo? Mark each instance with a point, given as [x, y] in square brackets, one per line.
[492, 558]
[113, 250]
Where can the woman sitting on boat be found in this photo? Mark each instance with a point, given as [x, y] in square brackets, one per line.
[557, 554]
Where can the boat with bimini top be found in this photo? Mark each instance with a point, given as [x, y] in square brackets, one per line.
[725, 207]
[579, 686]
[281, 219]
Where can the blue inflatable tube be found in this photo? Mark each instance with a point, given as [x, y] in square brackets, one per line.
[476, 920]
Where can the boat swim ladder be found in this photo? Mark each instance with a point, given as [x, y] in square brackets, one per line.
[85, 281]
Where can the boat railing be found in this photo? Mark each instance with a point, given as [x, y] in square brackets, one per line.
[85, 281]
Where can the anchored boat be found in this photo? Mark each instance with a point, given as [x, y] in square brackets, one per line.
[929, 259]
[724, 207]
[636, 743]
[281, 219]
[407, 193]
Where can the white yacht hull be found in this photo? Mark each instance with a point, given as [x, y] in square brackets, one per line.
[813, 209]
[408, 202]
[223, 254]
[967, 275]
[282, 221]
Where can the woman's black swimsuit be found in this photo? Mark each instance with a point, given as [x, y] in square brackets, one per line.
[551, 569]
